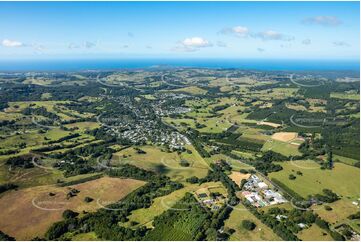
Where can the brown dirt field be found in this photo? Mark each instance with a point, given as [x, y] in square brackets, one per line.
[237, 177]
[284, 136]
[274, 125]
[30, 212]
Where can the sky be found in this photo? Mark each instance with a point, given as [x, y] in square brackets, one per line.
[242, 30]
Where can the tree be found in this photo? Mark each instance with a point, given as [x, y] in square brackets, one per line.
[192, 179]
[88, 199]
[184, 163]
[243, 182]
[68, 214]
[292, 177]
[249, 225]
[328, 208]
[329, 159]
[5, 237]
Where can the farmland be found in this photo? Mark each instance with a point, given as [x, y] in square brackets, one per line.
[161, 204]
[178, 154]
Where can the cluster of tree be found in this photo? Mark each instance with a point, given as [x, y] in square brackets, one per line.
[20, 161]
[346, 231]
[9, 152]
[102, 134]
[220, 107]
[186, 215]
[193, 135]
[279, 228]
[83, 106]
[5, 237]
[326, 226]
[266, 167]
[93, 150]
[184, 163]
[74, 163]
[69, 214]
[82, 180]
[354, 216]
[199, 125]
[75, 166]
[292, 177]
[67, 137]
[127, 170]
[88, 199]
[233, 141]
[217, 223]
[139, 151]
[192, 180]
[344, 139]
[271, 156]
[294, 217]
[3, 105]
[41, 111]
[328, 196]
[7, 122]
[7, 186]
[248, 225]
[278, 113]
[56, 147]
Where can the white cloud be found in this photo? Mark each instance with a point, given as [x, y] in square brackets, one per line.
[239, 31]
[196, 42]
[272, 35]
[306, 41]
[323, 20]
[12, 43]
[221, 44]
[244, 32]
[341, 43]
[192, 44]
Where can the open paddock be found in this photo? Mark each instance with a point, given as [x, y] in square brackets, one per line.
[29, 212]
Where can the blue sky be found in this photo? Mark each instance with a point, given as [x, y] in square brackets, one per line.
[260, 30]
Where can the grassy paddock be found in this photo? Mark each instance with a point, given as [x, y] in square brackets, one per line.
[261, 232]
[163, 162]
[342, 179]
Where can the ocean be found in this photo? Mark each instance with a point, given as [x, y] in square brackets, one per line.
[112, 64]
